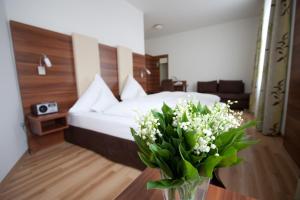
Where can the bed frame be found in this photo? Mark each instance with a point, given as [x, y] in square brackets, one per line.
[113, 148]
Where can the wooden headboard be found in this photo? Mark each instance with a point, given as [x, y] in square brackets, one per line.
[139, 62]
[59, 84]
[109, 67]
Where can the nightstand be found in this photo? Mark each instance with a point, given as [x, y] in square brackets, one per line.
[46, 124]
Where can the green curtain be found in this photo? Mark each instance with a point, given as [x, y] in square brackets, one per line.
[267, 103]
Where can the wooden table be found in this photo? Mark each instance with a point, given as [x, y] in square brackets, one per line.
[137, 190]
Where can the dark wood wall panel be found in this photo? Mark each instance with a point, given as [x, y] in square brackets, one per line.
[139, 63]
[292, 129]
[58, 85]
[109, 67]
[153, 80]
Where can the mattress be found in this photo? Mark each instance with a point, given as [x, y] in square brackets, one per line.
[108, 124]
[118, 119]
[141, 105]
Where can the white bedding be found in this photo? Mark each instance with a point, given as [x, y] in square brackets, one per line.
[129, 108]
[107, 124]
[118, 119]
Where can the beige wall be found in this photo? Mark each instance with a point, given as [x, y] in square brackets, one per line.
[223, 51]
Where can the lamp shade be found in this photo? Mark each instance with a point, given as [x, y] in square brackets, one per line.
[47, 61]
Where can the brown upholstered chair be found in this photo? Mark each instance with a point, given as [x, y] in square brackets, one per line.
[167, 85]
[233, 90]
[207, 87]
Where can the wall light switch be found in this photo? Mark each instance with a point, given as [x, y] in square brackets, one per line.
[41, 70]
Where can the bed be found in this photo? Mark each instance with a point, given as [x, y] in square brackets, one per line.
[98, 121]
[108, 132]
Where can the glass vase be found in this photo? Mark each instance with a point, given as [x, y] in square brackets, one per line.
[189, 190]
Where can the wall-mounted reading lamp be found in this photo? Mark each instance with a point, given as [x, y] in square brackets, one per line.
[44, 62]
[143, 70]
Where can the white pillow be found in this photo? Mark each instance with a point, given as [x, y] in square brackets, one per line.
[90, 96]
[105, 100]
[132, 89]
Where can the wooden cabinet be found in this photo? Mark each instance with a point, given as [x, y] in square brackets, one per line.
[43, 125]
[45, 131]
[292, 129]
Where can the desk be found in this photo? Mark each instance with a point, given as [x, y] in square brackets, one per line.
[137, 190]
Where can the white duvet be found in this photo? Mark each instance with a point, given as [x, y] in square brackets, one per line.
[129, 108]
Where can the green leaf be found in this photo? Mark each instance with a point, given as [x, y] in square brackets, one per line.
[177, 162]
[146, 161]
[168, 113]
[242, 144]
[197, 159]
[160, 118]
[168, 146]
[227, 139]
[190, 139]
[170, 132]
[166, 109]
[248, 124]
[164, 184]
[184, 118]
[199, 107]
[238, 161]
[229, 157]
[184, 154]
[164, 153]
[176, 142]
[209, 165]
[163, 166]
[189, 171]
[203, 109]
[143, 147]
[179, 132]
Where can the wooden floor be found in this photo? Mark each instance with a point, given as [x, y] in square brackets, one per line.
[68, 172]
[267, 173]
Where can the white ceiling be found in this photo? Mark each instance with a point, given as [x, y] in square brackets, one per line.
[179, 15]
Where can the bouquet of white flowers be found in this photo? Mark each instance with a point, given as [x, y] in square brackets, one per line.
[188, 142]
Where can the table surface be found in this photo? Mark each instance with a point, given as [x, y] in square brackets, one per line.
[137, 190]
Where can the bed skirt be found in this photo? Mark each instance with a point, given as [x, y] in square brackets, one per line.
[113, 148]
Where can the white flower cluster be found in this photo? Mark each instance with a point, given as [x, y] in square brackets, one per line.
[182, 108]
[148, 128]
[207, 126]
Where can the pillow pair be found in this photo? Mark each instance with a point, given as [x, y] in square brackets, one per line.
[132, 89]
[96, 98]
